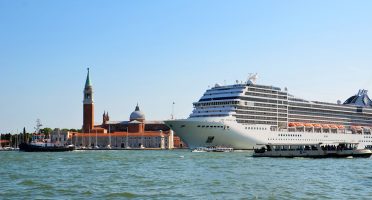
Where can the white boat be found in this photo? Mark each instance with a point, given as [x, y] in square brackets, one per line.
[311, 150]
[245, 114]
[199, 149]
[8, 149]
[213, 149]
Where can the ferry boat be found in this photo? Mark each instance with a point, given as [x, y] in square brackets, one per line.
[319, 150]
[245, 114]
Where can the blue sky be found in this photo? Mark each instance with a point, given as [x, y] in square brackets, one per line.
[157, 52]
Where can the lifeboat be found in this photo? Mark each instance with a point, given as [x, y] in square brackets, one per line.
[291, 124]
[325, 126]
[333, 126]
[341, 126]
[299, 124]
[317, 126]
[308, 125]
[356, 128]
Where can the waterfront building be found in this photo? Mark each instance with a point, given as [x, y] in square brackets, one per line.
[135, 133]
[60, 137]
[4, 143]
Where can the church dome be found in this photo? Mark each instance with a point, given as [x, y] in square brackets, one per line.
[137, 114]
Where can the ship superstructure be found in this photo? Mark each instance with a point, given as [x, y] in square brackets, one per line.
[245, 114]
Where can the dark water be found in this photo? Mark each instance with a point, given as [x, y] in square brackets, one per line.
[179, 174]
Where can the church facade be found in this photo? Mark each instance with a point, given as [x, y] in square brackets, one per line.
[136, 132]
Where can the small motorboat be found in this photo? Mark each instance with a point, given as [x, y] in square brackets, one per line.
[213, 149]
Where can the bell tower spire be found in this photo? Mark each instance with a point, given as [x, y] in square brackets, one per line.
[88, 91]
[88, 113]
[87, 82]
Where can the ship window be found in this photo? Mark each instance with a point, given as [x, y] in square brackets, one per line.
[198, 125]
[203, 126]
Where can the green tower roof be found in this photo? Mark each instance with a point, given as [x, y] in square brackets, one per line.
[87, 82]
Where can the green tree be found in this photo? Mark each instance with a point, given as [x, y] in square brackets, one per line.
[24, 135]
[46, 131]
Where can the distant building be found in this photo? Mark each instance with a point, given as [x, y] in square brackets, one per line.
[4, 143]
[135, 133]
[59, 136]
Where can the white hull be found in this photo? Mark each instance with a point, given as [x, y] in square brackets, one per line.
[197, 132]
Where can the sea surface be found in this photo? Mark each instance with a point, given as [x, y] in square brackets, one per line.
[179, 174]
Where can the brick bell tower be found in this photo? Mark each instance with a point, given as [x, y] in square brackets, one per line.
[88, 113]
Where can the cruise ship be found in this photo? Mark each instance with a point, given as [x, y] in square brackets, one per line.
[246, 114]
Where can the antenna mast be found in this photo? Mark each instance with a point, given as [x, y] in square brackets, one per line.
[172, 114]
[38, 126]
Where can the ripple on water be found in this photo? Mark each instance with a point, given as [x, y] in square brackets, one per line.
[122, 194]
[164, 175]
[27, 183]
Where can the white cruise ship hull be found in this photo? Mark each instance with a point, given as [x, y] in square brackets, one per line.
[226, 132]
[217, 133]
